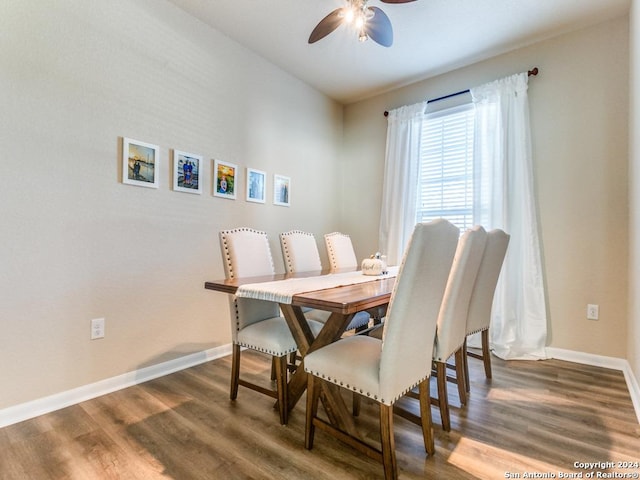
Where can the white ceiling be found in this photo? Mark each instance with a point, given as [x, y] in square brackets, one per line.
[430, 36]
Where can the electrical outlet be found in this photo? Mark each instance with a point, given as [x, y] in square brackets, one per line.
[97, 328]
[592, 312]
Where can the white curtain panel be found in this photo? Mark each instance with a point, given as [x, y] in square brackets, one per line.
[399, 194]
[505, 199]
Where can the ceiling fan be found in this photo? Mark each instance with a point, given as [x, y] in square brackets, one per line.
[369, 22]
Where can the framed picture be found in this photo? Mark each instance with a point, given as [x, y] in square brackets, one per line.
[256, 185]
[224, 179]
[186, 172]
[140, 163]
[281, 190]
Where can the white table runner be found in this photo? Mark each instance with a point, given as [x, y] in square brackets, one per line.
[282, 291]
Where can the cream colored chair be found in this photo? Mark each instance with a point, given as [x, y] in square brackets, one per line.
[257, 324]
[452, 320]
[341, 257]
[340, 251]
[300, 253]
[385, 371]
[479, 317]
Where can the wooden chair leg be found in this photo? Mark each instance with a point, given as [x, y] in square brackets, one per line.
[388, 442]
[235, 371]
[281, 385]
[486, 353]
[460, 376]
[273, 368]
[425, 418]
[465, 358]
[443, 401]
[357, 401]
[313, 396]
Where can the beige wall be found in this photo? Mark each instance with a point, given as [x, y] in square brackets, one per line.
[75, 77]
[634, 191]
[579, 114]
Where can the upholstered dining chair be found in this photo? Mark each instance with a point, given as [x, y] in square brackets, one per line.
[340, 251]
[479, 316]
[342, 256]
[385, 371]
[452, 319]
[257, 324]
[300, 253]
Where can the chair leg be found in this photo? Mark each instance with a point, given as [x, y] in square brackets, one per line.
[425, 416]
[486, 353]
[465, 358]
[388, 442]
[235, 371]
[443, 401]
[460, 376]
[273, 368]
[313, 395]
[356, 402]
[281, 385]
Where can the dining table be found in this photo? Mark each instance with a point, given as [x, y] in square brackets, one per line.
[343, 293]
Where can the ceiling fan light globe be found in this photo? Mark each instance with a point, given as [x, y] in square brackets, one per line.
[349, 15]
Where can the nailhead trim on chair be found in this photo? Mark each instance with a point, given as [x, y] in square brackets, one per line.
[259, 349]
[227, 259]
[235, 307]
[360, 391]
[478, 330]
[226, 253]
[454, 350]
[331, 252]
[287, 254]
[224, 234]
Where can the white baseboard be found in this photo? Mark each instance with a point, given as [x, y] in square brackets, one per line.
[605, 362]
[25, 411]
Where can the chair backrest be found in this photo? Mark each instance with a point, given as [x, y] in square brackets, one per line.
[246, 253]
[479, 316]
[452, 320]
[407, 343]
[300, 252]
[340, 251]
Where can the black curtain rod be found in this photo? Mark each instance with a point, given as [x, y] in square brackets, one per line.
[533, 71]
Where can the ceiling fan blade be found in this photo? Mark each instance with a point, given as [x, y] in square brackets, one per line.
[327, 25]
[379, 28]
[397, 1]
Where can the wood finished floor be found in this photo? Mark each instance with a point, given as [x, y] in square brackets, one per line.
[532, 417]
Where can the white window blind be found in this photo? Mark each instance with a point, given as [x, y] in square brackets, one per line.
[445, 188]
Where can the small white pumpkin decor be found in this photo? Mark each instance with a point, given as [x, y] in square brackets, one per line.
[375, 265]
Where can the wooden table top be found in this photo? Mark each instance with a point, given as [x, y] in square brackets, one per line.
[345, 299]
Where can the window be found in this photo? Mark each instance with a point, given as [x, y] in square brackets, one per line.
[445, 188]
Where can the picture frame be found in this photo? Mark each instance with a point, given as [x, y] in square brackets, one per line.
[186, 172]
[281, 190]
[225, 177]
[140, 163]
[256, 185]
